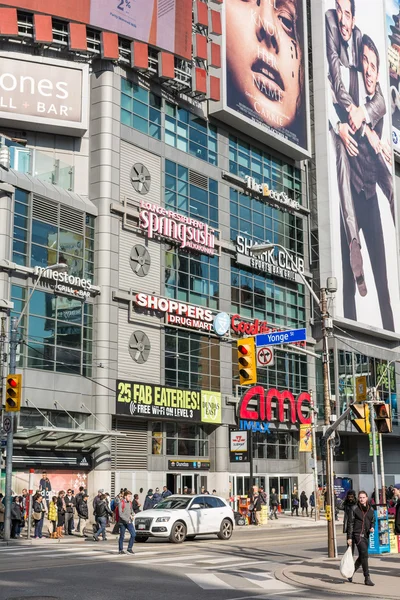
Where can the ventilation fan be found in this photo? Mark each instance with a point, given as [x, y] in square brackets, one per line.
[140, 178]
[140, 260]
[139, 347]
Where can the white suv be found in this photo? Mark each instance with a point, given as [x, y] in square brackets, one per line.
[183, 517]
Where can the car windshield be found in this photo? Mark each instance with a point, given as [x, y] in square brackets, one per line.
[173, 503]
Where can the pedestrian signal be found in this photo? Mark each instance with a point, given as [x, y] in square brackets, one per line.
[360, 417]
[13, 393]
[383, 418]
[247, 361]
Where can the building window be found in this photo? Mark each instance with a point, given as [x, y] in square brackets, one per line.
[260, 222]
[57, 332]
[191, 360]
[46, 233]
[276, 445]
[190, 133]
[258, 297]
[140, 109]
[191, 196]
[192, 278]
[184, 439]
[245, 159]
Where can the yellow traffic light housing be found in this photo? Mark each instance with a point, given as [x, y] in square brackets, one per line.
[247, 361]
[361, 417]
[13, 393]
[383, 418]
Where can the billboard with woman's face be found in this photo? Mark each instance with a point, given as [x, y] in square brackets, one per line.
[265, 69]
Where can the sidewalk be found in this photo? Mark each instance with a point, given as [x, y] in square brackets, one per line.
[323, 574]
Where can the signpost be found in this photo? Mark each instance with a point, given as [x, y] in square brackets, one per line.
[238, 448]
[281, 337]
[265, 357]
[7, 425]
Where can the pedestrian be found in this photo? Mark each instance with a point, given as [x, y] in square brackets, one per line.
[97, 498]
[255, 507]
[101, 512]
[125, 511]
[304, 503]
[69, 512]
[16, 517]
[61, 510]
[136, 504]
[295, 502]
[312, 503]
[361, 521]
[2, 512]
[165, 493]
[396, 496]
[39, 510]
[185, 490]
[156, 496]
[348, 503]
[263, 495]
[214, 492]
[83, 513]
[52, 516]
[274, 503]
[148, 501]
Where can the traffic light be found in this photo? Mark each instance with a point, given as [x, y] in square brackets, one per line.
[383, 419]
[13, 393]
[360, 417]
[247, 361]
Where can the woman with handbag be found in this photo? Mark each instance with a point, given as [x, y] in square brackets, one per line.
[39, 510]
[61, 508]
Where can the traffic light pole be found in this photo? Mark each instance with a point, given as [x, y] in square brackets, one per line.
[10, 436]
[327, 418]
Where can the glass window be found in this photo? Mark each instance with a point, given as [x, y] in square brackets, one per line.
[140, 109]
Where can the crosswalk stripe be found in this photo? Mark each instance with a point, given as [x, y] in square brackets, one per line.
[268, 582]
[217, 561]
[173, 559]
[232, 565]
[209, 581]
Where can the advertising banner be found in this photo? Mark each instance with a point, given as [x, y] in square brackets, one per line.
[393, 34]
[354, 162]
[44, 92]
[305, 444]
[158, 401]
[166, 24]
[265, 69]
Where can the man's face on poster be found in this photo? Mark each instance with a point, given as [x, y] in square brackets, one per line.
[345, 18]
[264, 56]
[370, 70]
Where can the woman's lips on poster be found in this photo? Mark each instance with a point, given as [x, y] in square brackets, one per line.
[269, 74]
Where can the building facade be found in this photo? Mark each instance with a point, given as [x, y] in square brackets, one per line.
[132, 166]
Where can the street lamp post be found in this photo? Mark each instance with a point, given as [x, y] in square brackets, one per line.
[15, 323]
[326, 325]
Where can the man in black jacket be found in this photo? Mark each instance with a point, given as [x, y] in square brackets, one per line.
[83, 513]
[396, 494]
[360, 524]
[348, 504]
[70, 504]
[274, 503]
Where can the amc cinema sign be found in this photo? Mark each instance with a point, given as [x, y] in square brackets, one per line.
[270, 407]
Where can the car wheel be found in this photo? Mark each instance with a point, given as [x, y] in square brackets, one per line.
[226, 530]
[190, 537]
[178, 533]
[141, 538]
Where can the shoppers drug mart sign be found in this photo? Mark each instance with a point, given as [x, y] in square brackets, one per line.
[159, 222]
[178, 313]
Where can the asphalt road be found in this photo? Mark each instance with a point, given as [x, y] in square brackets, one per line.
[241, 569]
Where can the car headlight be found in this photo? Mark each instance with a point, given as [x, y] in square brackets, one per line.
[163, 519]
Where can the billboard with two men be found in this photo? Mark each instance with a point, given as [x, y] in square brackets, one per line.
[355, 183]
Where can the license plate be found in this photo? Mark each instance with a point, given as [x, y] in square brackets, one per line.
[141, 526]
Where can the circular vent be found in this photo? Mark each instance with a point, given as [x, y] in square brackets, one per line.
[140, 260]
[140, 178]
[139, 347]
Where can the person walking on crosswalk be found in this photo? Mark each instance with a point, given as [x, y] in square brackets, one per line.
[125, 521]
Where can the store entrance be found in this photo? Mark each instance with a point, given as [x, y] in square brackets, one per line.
[176, 482]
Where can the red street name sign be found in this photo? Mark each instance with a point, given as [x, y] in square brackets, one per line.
[264, 409]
